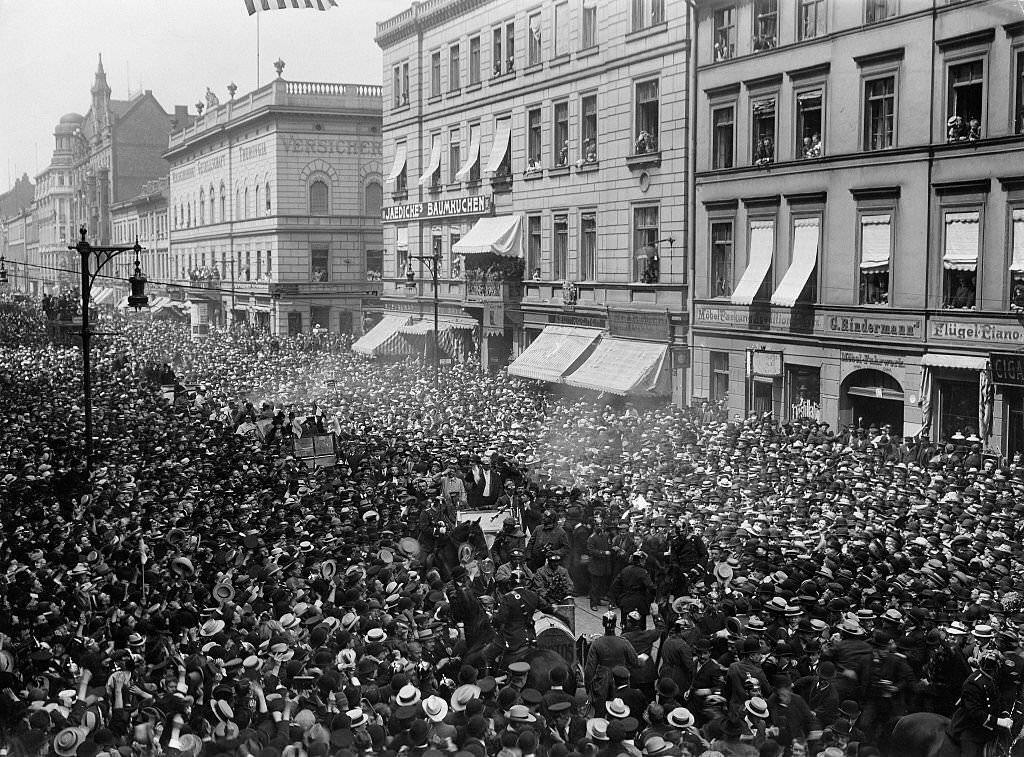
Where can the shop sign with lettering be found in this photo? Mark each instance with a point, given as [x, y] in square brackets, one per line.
[958, 331]
[639, 324]
[766, 363]
[584, 321]
[475, 205]
[836, 324]
[1007, 368]
[855, 361]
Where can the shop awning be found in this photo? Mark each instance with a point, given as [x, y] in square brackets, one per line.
[1017, 262]
[471, 158]
[875, 242]
[383, 339]
[553, 353]
[435, 162]
[103, 296]
[962, 237]
[875, 392]
[444, 323]
[622, 366]
[946, 360]
[417, 328]
[158, 303]
[399, 165]
[805, 255]
[499, 234]
[500, 145]
[762, 248]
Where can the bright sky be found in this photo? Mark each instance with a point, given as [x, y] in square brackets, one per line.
[49, 48]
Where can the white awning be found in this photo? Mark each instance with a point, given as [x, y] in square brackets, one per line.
[401, 237]
[399, 164]
[875, 242]
[805, 255]
[500, 234]
[500, 145]
[384, 339]
[945, 360]
[553, 353]
[102, 296]
[762, 248]
[435, 161]
[1017, 263]
[962, 237]
[474, 155]
[417, 328]
[123, 303]
[159, 303]
[623, 366]
[444, 323]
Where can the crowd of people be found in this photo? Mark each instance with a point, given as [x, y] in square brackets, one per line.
[765, 588]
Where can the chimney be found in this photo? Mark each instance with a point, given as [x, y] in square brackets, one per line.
[180, 118]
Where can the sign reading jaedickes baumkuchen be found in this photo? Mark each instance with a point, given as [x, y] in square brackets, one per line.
[476, 205]
[1007, 368]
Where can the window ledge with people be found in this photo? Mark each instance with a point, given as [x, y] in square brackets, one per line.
[959, 129]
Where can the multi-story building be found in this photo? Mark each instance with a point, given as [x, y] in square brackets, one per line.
[142, 218]
[15, 209]
[99, 159]
[860, 213]
[275, 203]
[539, 151]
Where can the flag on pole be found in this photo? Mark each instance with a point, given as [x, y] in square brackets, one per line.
[254, 6]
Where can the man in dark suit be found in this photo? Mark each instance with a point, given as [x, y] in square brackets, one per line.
[486, 485]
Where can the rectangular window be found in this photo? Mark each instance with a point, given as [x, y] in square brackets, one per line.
[721, 259]
[560, 142]
[878, 10]
[496, 59]
[589, 38]
[1017, 260]
[880, 113]
[374, 265]
[1018, 90]
[804, 389]
[454, 80]
[533, 144]
[588, 246]
[763, 131]
[766, 24]
[474, 60]
[474, 140]
[435, 74]
[966, 101]
[646, 117]
[510, 48]
[534, 54]
[875, 254]
[961, 242]
[561, 29]
[396, 85]
[647, 268]
[588, 128]
[809, 124]
[454, 154]
[405, 84]
[812, 18]
[454, 265]
[533, 246]
[560, 248]
[647, 13]
[958, 405]
[723, 128]
[319, 264]
[725, 33]
[719, 387]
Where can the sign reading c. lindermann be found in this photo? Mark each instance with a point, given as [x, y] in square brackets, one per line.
[476, 205]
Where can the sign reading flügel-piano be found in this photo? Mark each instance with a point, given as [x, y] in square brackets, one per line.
[475, 205]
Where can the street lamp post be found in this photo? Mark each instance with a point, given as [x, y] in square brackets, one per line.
[137, 299]
[433, 262]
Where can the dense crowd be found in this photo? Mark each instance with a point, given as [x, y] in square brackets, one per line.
[765, 588]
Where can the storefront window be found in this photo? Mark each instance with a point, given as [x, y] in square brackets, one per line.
[719, 390]
[958, 406]
[804, 386]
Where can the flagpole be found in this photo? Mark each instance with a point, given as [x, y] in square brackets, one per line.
[257, 50]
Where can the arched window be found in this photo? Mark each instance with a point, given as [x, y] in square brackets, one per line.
[188, 215]
[267, 196]
[223, 204]
[238, 204]
[373, 199]
[245, 203]
[319, 198]
[213, 207]
[201, 210]
[256, 206]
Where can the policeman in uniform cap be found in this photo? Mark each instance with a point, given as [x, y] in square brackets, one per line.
[513, 620]
[503, 574]
[979, 714]
[605, 654]
[510, 538]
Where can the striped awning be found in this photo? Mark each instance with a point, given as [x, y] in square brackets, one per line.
[623, 366]
[946, 360]
[103, 296]
[553, 353]
[444, 323]
[384, 339]
[159, 303]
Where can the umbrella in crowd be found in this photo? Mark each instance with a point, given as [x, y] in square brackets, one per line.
[765, 588]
